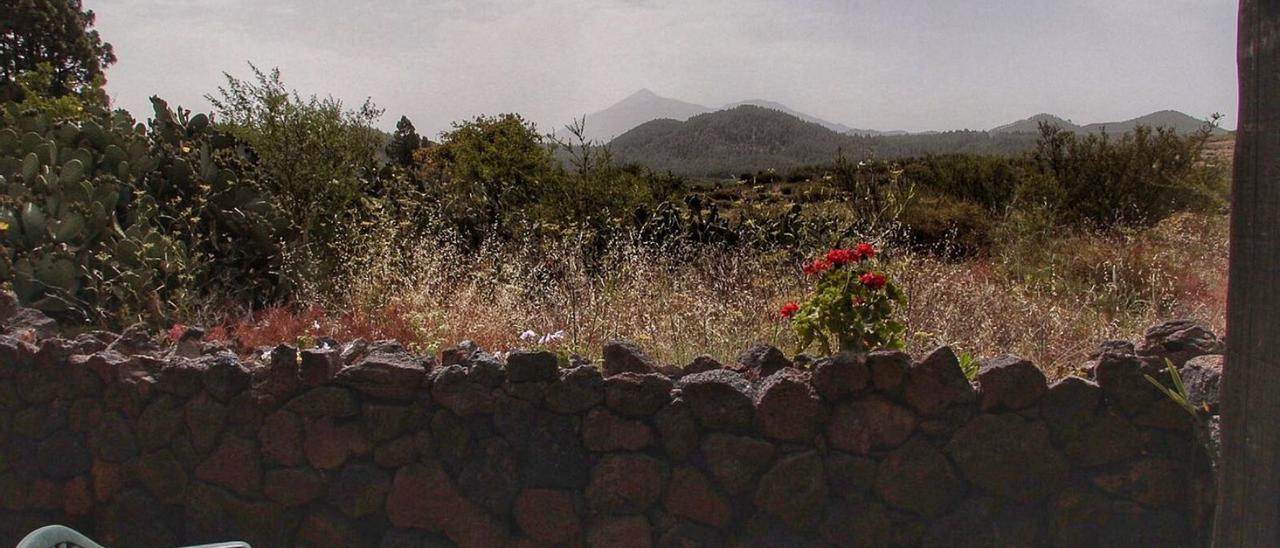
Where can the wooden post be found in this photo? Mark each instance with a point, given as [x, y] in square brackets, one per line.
[1249, 476]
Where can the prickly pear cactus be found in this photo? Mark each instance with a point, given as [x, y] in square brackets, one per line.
[64, 187]
[104, 217]
[213, 201]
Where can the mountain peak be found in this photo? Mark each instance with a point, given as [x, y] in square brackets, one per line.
[1171, 119]
[643, 93]
[636, 109]
[774, 105]
[1032, 124]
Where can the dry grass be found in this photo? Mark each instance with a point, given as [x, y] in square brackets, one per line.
[1094, 288]
[1052, 300]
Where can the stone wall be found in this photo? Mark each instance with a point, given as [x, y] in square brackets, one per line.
[139, 443]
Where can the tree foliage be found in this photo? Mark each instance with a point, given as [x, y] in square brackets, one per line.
[58, 33]
[32, 89]
[404, 142]
[486, 171]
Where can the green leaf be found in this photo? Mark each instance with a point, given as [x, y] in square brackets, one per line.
[72, 172]
[198, 123]
[30, 164]
[8, 140]
[1178, 393]
[68, 227]
[33, 223]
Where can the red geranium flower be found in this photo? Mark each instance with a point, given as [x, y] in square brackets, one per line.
[817, 266]
[874, 280]
[788, 310]
[865, 251]
[177, 331]
[839, 257]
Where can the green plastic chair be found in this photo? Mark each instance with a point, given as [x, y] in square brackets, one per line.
[59, 536]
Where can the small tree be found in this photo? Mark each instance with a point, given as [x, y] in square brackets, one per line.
[404, 142]
[597, 190]
[489, 169]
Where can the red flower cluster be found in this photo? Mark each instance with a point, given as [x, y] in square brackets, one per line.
[817, 266]
[840, 257]
[788, 310]
[176, 332]
[874, 280]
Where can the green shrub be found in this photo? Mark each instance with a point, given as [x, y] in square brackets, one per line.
[947, 225]
[1138, 179]
[317, 159]
[486, 172]
[990, 181]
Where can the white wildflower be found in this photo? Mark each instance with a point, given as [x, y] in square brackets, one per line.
[552, 338]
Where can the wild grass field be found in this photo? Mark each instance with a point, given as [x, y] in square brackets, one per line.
[1050, 301]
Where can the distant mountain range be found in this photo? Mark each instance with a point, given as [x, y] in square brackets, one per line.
[645, 106]
[672, 135]
[750, 138]
[838, 128]
[1180, 122]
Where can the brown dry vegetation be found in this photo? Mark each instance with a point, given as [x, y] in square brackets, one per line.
[1051, 299]
[1220, 149]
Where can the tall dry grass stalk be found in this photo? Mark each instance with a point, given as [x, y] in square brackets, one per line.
[1050, 301]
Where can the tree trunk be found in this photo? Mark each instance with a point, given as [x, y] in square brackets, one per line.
[1249, 480]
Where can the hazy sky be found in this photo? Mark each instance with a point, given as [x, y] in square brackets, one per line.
[882, 64]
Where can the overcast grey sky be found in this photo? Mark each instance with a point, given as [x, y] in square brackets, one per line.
[883, 64]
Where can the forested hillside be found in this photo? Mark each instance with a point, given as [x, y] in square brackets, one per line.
[749, 138]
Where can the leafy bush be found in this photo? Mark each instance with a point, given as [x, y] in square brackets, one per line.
[990, 181]
[597, 193]
[317, 159]
[486, 171]
[947, 225]
[1138, 179]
